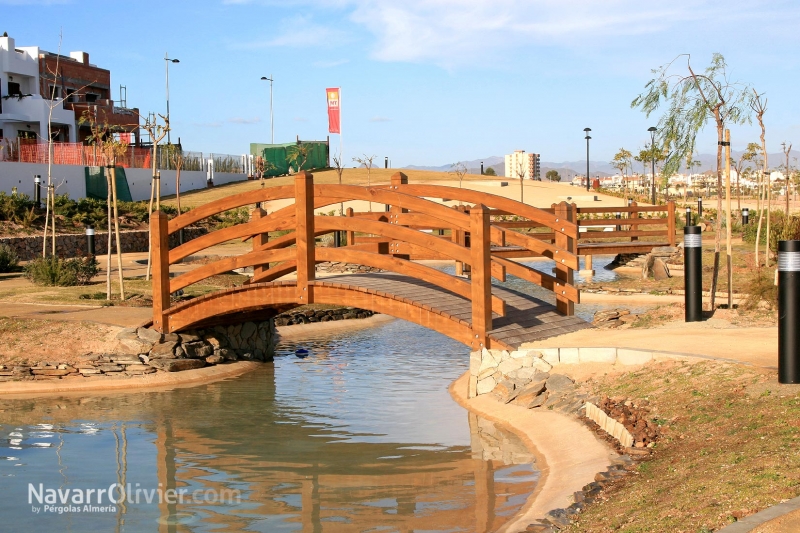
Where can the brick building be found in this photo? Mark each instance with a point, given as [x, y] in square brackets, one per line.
[83, 87]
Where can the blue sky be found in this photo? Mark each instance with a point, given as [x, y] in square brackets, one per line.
[425, 82]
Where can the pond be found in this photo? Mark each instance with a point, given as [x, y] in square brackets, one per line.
[360, 435]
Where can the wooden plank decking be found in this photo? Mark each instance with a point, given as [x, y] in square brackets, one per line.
[527, 319]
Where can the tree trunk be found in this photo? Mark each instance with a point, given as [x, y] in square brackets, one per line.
[718, 229]
[116, 233]
[728, 218]
[150, 208]
[109, 241]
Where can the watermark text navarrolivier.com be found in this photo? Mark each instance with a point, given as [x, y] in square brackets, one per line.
[105, 500]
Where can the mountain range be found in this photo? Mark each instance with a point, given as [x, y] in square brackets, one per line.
[568, 169]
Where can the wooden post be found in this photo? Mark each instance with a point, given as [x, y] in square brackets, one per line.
[260, 240]
[459, 237]
[304, 230]
[351, 235]
[159, 245]
[398, 179]
[671, 222]
[634, 214]
[564, 273]
[481, 281]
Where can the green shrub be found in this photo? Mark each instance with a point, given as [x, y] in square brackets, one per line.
[782, 229]
[51, 271]
[8, 258]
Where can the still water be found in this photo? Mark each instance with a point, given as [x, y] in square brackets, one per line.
[361, 435]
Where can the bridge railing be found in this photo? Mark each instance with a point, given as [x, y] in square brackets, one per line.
[296, 251]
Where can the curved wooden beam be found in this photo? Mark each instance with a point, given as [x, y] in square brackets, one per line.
[392, 231]
[263, 295]
[282, 219]
[493, 201]
[260, 257]
[539, 278]
[414, 270]
[267, 194]
[542, 248]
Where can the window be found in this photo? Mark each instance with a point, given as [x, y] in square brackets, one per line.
[91, 97]
[70, 97]
[14, 89]
[54, 92]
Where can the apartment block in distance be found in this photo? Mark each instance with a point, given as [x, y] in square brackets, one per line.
[528, 164]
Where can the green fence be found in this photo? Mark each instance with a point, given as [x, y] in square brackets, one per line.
[280, 157]
[97, 184]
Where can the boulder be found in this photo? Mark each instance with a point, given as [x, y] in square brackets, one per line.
[189, 336]
[214, 359]
[149, 335]
[164, 350]
[177, 365]
[197, 350]
[133, 346]
[530, 392]
[249, 329]
[486, 385]
[225, 353]
[559, 383]
[660, 269]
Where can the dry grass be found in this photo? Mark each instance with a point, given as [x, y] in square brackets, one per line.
[730, 448]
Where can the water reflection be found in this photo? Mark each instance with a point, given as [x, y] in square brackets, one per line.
[359, 436]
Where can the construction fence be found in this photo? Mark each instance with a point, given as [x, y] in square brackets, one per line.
[134, 157]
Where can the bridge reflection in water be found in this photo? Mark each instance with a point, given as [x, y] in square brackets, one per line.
[300, 466]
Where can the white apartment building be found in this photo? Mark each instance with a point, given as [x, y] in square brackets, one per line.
[23, 110]
[521, 162]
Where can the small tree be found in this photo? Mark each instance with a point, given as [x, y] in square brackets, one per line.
[177, 161]
[367, 162]
[157, 133]
[490, 171]
[298, 155]
[339, 168]
[110, 148]
[787, 171]
[622, 162]
[460, 170]
[520, 172]
[553, 175]
[691, 100]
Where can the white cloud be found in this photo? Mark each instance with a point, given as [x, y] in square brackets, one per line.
[297, 32]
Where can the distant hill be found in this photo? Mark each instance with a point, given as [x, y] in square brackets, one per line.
[568, 169]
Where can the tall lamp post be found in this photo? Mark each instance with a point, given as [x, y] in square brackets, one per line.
[587, 130]
[652, 130]
[271, 123]
[167, 61]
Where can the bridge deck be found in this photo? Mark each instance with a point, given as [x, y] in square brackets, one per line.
[527, 319]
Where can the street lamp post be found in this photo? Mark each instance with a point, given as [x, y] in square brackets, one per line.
[587, 130]
[167, 61]
[271, 123]
[652, 130]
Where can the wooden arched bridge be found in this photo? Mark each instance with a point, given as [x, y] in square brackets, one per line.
[470, 310]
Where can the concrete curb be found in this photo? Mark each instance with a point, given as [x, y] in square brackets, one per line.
[749, 523]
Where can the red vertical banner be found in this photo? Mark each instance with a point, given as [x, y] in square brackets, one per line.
[333, 110]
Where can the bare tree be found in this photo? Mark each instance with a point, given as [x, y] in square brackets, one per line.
[786, 173]
[759, 106]
[366, 160]
[692, 99]
[520, 172]
[177, 161]
[339, 168]
[157, 133]
[460, 170]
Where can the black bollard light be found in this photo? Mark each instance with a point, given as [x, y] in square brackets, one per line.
[745, 216]
[699, 207]
[337, 239]
[688, 216]
[90, 239]
[37, 190]
[619, 216]
[788, 312]
[693, 273]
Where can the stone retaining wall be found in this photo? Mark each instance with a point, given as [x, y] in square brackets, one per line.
[145, 351]
[75, 245]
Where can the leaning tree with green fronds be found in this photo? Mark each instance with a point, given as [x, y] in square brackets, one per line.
[690, 100]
